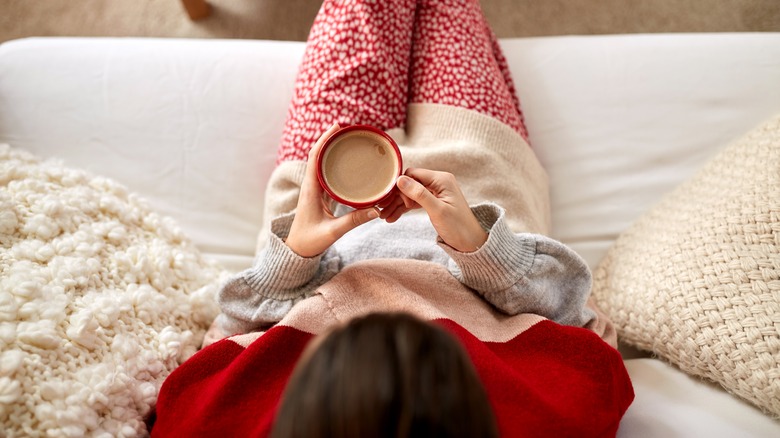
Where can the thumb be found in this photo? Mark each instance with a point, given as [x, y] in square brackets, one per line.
[354, 219]
[415, 191]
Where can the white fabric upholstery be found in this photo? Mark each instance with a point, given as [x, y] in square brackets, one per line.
[670, 404]
[618, 121]
[191, 124]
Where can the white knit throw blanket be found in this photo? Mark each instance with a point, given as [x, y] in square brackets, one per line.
[100, 299]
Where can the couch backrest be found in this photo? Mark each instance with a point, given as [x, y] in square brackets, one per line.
[192, 125]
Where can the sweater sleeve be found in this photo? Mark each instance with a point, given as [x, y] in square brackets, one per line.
[261, 295]
[525, 272]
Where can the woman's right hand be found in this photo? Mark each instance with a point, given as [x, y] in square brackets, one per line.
[439, 194]
[315, 228]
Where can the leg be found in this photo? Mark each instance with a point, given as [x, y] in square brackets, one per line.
[355, 70]
[456, 60]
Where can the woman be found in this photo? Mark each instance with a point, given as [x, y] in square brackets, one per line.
[421, 383]
[431, 74]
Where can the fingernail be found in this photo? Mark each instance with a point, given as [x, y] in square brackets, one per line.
[373, 214]
[403, 182]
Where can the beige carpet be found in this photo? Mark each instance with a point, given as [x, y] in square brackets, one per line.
[290, 19]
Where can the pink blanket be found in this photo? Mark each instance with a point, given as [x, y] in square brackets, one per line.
[542, 378]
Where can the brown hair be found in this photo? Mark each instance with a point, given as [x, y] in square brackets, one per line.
[385, 375]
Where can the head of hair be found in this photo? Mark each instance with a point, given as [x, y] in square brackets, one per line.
[385, 375]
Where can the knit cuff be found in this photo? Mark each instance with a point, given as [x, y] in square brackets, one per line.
[500, 262]
[278, 271]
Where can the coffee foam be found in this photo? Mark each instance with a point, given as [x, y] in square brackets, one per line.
[360, 166]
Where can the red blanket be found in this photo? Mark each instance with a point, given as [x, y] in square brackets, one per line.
[542, 378]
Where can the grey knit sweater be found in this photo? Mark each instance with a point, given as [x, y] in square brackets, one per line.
[515, 272]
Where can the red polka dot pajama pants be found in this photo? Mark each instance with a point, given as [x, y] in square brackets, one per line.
[366, 60]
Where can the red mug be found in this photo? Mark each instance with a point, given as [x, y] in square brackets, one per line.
[358, 166]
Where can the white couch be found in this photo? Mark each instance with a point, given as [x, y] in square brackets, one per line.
[618, 121]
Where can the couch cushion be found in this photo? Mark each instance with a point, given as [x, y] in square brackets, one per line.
[696, 280]
[193, 125]
[100, 298]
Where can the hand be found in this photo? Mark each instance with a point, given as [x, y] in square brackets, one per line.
[315, 228]
[439, 194]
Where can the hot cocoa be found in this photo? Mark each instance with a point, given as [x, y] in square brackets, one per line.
[359, 167]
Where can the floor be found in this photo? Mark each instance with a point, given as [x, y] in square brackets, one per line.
[291, 19]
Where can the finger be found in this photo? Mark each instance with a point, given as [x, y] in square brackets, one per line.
[328, 203]
[311, 166]
[390, 200]
[310, 182]
[392, 211]
[417, 192]
[408, 203]
[354, 219]
[388, 208]
[424, 176]
[323, 138]
[394, 216]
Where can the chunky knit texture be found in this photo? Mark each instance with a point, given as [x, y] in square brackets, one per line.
[516, 273]
[697, 279]
[100, 299]
[542, 379]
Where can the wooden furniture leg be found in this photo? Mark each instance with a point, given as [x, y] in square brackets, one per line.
[197, 9]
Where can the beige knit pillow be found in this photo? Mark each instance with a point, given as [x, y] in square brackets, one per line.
[696, 280]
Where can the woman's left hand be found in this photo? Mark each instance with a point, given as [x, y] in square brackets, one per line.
[315, 228]
[439, 194]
